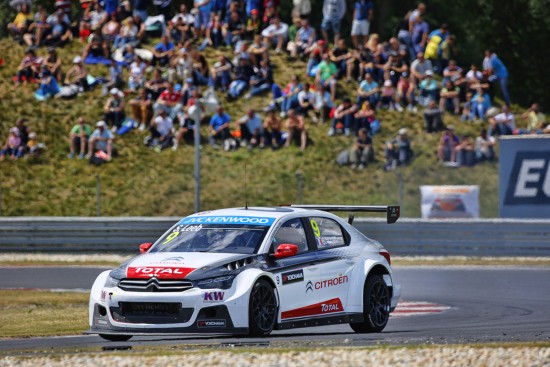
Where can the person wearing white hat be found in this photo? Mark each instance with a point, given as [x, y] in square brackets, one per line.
[398, 151]
[77, 74]
[114, 109]
[101, 140]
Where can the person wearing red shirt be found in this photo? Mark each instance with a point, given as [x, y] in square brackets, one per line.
[170, 101]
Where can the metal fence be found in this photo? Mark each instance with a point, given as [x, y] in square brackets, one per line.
[484, 237]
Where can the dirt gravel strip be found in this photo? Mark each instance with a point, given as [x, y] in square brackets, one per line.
[437, 356]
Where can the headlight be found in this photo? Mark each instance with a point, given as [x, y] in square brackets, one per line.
[111, 282]
[224, 282]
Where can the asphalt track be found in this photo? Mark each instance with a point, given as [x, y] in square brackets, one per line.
[487, 305]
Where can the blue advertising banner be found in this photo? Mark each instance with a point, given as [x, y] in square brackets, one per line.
[524, 176]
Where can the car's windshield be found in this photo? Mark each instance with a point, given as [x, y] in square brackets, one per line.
[209, 236]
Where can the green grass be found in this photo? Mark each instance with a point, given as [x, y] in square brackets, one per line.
[143, 183]
[42, 313]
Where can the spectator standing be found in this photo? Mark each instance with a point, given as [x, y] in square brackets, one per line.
[101, 140]
[78, 138]
[362, 151]
[496, 70]
[333, 12]
[362, 16]
[296, 128]
[419, 34]
[398, 151]
[219, 127]
[202, 11]
[114, 109]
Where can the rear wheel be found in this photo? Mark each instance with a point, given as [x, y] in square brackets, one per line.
[376, 306]
[262, 309]
[115, 337]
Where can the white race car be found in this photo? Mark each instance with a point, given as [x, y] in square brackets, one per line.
[249, 271]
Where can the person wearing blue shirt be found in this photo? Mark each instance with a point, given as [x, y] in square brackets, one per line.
[362, 15]
[163, 51]
[368, 91]
[497, 70]
[202, 19]
[219, 126]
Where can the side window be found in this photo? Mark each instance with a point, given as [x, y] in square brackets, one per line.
[327, 232]
[291, 232]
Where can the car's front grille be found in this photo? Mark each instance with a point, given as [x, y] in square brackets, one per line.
[155, 285]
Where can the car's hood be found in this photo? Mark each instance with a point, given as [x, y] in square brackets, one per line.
[176, 265]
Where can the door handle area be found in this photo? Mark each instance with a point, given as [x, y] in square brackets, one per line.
[312, 268]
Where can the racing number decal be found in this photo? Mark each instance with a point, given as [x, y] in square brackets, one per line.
[170, 237]
[315, 228]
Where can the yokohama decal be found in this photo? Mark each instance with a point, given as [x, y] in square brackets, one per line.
[331, 306]
[160, 272]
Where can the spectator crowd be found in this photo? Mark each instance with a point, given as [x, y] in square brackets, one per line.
[161, 88]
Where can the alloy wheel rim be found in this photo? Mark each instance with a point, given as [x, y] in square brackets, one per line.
[379, 303]
[264, 307]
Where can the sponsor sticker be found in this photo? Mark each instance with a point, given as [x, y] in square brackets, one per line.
[330, 306]
[327, 283]
[211, 323]
[529, 179]
[173, 259]
[103, 295]
[293, 276]
[213, 296]
[160, 272]
[257, 221]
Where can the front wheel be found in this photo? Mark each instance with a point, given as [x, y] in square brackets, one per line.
[115, 337]
[376, 306]
[262, 309]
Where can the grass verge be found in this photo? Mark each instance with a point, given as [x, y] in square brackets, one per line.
[42, 313]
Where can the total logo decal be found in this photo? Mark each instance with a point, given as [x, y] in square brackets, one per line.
[161, 272]
[213, 296]
[293, 276]
[331, 306]
[211, 323]
[327, 283]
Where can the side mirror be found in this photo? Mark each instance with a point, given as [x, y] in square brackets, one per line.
[286, 250]
[144, 247]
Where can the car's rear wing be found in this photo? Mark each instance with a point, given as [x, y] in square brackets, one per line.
[392, 211]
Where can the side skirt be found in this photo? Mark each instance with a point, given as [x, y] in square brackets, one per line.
[321, 321]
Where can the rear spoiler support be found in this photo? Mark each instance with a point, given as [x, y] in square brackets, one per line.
[392, 211]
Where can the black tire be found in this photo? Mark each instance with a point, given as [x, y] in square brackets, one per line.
[262, 309]
[115, 337]
[376, 306]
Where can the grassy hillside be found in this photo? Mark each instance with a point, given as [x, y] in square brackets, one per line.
[142, 182]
